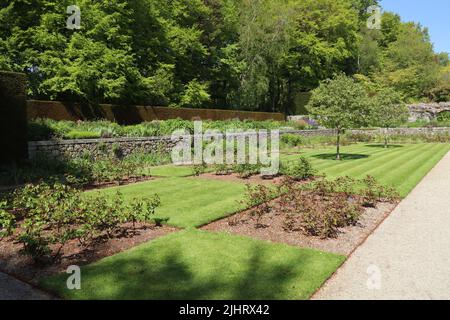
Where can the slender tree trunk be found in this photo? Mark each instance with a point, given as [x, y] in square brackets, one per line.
[338, 145]
[385, 138]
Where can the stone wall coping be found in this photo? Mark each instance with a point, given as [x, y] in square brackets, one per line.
[245, 133]
[153, 138]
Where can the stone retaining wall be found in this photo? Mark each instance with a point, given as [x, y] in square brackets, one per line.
[125, 146]
[427, 111]
[404, 131]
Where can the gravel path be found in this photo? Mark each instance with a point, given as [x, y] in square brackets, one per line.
[408, 256]
[13, 289]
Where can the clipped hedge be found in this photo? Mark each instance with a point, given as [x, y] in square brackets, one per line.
[13, 117]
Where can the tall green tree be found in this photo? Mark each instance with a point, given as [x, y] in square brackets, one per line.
[388, 111]
[340, 103]
[409, 63]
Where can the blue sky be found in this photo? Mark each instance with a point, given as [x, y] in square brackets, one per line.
[433, 14]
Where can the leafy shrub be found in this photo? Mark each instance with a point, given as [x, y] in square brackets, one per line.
[373, 192]
[258, 197]
[7, 220]
[246, 170]
[83, 170]
[160, 221]
[324, 218]
[440, 93]
[324, 206]
[445, 115]
[55, 214]
[292, 140]
[39, 131]
[298, 170]
[199, 169]
[359, 137]
[222, 169]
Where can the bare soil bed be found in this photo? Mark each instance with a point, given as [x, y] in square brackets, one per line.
[95, 185]
[256, 179]
[23, 267]
[345, 243]
[123, 182]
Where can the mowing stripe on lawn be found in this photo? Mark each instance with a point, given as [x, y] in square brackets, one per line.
[389, 160]
[395, 165]
[401, 167]
[187, 202]
[362, 164]
[412, 174]
[324, 163]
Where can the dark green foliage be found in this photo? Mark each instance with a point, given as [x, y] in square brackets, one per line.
[298, 170]
[292, 140]
[13, 118]
[222, 169]
[440, 93]
[235, 54]
[199, 169]
[246, 170]
[53, 214]
[83, 171]
[444, 116]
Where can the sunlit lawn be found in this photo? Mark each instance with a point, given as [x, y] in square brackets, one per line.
[193, 264]
[400, 166]
[188, 202]
[201, 265]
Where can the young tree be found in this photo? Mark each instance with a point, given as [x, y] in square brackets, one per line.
[388, 111]
[340, 103]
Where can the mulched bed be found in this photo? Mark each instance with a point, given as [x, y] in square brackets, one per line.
[95, 185]
[256, 179]
[347, 241]
[123, 182]
[13, 262]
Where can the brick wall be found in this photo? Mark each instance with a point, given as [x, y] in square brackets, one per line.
[136, 114]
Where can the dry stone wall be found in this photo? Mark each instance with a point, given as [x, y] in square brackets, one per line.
[126, 146]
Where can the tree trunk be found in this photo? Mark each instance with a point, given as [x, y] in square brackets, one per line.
[338, 145]
[385, 138]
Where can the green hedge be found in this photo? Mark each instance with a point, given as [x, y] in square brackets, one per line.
[13, 117]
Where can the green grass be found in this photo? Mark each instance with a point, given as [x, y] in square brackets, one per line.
[201, 265]
[188, 202]
[399, 166]
[175, 171]
[171, 171]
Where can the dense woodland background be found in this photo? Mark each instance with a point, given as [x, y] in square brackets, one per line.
[232, 54]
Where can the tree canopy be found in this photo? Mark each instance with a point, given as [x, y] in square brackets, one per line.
[237, 54]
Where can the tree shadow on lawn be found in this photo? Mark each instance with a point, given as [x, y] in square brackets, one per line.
[344, 156]
[258, 277]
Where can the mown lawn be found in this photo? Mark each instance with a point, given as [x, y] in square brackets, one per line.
[400, 166]
[194, 264]
[188, 202]
[171, 171]
[201, 265]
